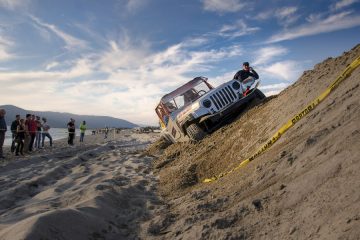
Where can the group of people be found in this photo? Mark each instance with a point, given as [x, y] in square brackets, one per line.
[30, 133]
[27, 133]
[71, 131]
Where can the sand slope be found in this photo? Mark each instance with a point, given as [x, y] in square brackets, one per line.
[305, 187]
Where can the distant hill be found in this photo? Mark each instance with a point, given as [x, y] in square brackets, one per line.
[60, 120]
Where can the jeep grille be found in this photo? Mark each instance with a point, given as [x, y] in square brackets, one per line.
[223, 97]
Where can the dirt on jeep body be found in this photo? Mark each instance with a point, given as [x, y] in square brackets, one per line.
[306, 186]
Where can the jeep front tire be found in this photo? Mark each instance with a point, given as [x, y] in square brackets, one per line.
[195, 132]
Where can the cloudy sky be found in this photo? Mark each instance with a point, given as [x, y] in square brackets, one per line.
[118, 57]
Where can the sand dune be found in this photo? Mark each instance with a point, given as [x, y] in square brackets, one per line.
[306, 186]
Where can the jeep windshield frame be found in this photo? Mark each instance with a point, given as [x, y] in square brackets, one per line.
[163, 109]
[185, 88]
[190, 88]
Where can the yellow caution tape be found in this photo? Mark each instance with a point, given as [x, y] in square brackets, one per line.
[346, 73]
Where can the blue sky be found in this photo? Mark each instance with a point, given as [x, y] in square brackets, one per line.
[118, 57]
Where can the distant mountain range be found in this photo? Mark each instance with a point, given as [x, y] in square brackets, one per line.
[60, 120]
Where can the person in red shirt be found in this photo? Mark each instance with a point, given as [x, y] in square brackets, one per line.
[32, 131]
[38, 132]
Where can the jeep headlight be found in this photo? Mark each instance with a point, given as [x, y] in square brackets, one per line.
[195, 106]
[207, 103]
[235, 85]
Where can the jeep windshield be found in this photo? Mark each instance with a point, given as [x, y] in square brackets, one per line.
[186, 94]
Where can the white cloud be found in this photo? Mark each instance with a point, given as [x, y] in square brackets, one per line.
[273, 89]
[14, 4]
[342, 4]
[287, 15]
[70, 41]
[266, 54]
[264, 15]
[5, 45]
[223, 5]
[284, 70]
[79, 68]
[133, 5]
[286, 12]
[44, 32]
[272, 92]
[238, 29]
[195, 42]
[130, 7]
[51, 65]
[216, 81]
[26, 76]
[275, 86]
[139, 63]
[315, 17]
[132, 79]
[332, 23]
[122, 56]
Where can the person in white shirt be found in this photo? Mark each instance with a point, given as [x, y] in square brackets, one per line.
[45, 132]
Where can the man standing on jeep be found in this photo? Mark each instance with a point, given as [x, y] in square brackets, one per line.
[246, 72]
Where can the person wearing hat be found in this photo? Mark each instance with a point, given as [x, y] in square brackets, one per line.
[246, 72]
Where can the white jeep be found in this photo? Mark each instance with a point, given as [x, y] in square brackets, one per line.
[197, 108]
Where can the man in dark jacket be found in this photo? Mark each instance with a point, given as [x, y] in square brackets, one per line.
[3, 129]
[71, 131]
[246, 72]
[13, 128]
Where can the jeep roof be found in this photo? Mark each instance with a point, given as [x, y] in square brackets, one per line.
[168, 97]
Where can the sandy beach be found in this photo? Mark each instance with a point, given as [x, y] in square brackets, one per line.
[135, 186]
[102, 189]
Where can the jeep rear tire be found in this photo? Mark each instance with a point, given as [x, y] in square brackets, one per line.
[166, 138]
[195, 132]
[259, 94]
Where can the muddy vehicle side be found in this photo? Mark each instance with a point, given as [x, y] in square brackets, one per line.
[196, 109]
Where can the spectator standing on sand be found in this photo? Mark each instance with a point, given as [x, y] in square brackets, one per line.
[3, 129]
[20, 136]
[82, 131]
[45, 132]
[106, 132]
[71, 130]
[32, 130]
[27, 133]
[38, 132]
[13, 129]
